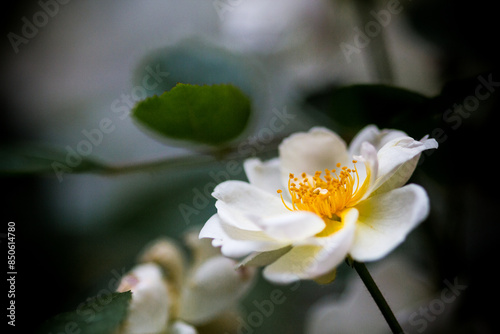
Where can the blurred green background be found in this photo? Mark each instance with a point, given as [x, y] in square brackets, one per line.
[86, 62]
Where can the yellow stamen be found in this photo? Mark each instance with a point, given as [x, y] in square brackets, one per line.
[279, 192]
[326, 195]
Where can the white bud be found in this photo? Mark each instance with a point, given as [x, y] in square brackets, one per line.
[149, 308]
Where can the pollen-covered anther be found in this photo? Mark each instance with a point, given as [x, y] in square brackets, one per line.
[320, 191]
[324, 195]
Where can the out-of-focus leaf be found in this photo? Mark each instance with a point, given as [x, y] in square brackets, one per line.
[198, 63]
[357, 105]
[209, 114]
[99, 315]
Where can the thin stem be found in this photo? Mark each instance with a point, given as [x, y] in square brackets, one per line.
[189, 161]
[378, 297]
[179, 162]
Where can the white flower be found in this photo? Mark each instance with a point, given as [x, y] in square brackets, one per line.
[338, 201]
[166, 299]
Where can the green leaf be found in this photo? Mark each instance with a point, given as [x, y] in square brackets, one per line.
[205, 114]
[99, 315]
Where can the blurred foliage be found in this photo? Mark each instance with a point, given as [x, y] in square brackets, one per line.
[198, 63]
[65, 266]
[99, 315]
[357, 105]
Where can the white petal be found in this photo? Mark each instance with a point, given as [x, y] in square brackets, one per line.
[264, 175]
[264, 258]
[371, 134]
[293, 265]
[240, 206]
[149, 309]
[235, 242]
[397, 161]
[201, 248]
[180, 327]
[385, 221]
[292, 226]
[214, 287]
[321, 256]
[213, 229]
[367, 172]
[169, 255]
[308, 152]
[238, 201]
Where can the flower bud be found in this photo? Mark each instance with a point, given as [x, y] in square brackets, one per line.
[149, 308]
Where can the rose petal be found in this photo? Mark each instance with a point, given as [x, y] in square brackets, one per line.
[308, 152]
[367, 172]
[385, 221]
[238, 201]
[264, 175]
[397, 161]
[319, 257]
[200, 247]
[291, 226]
[235, 242]
[374, 136]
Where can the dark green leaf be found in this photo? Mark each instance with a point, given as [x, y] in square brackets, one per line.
[205, 114]
[357, 105]
[99, 315]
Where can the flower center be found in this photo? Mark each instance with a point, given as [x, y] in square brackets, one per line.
[324, 195]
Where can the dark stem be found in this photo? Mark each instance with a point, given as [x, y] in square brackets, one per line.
[172, 163]
[378, 297]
